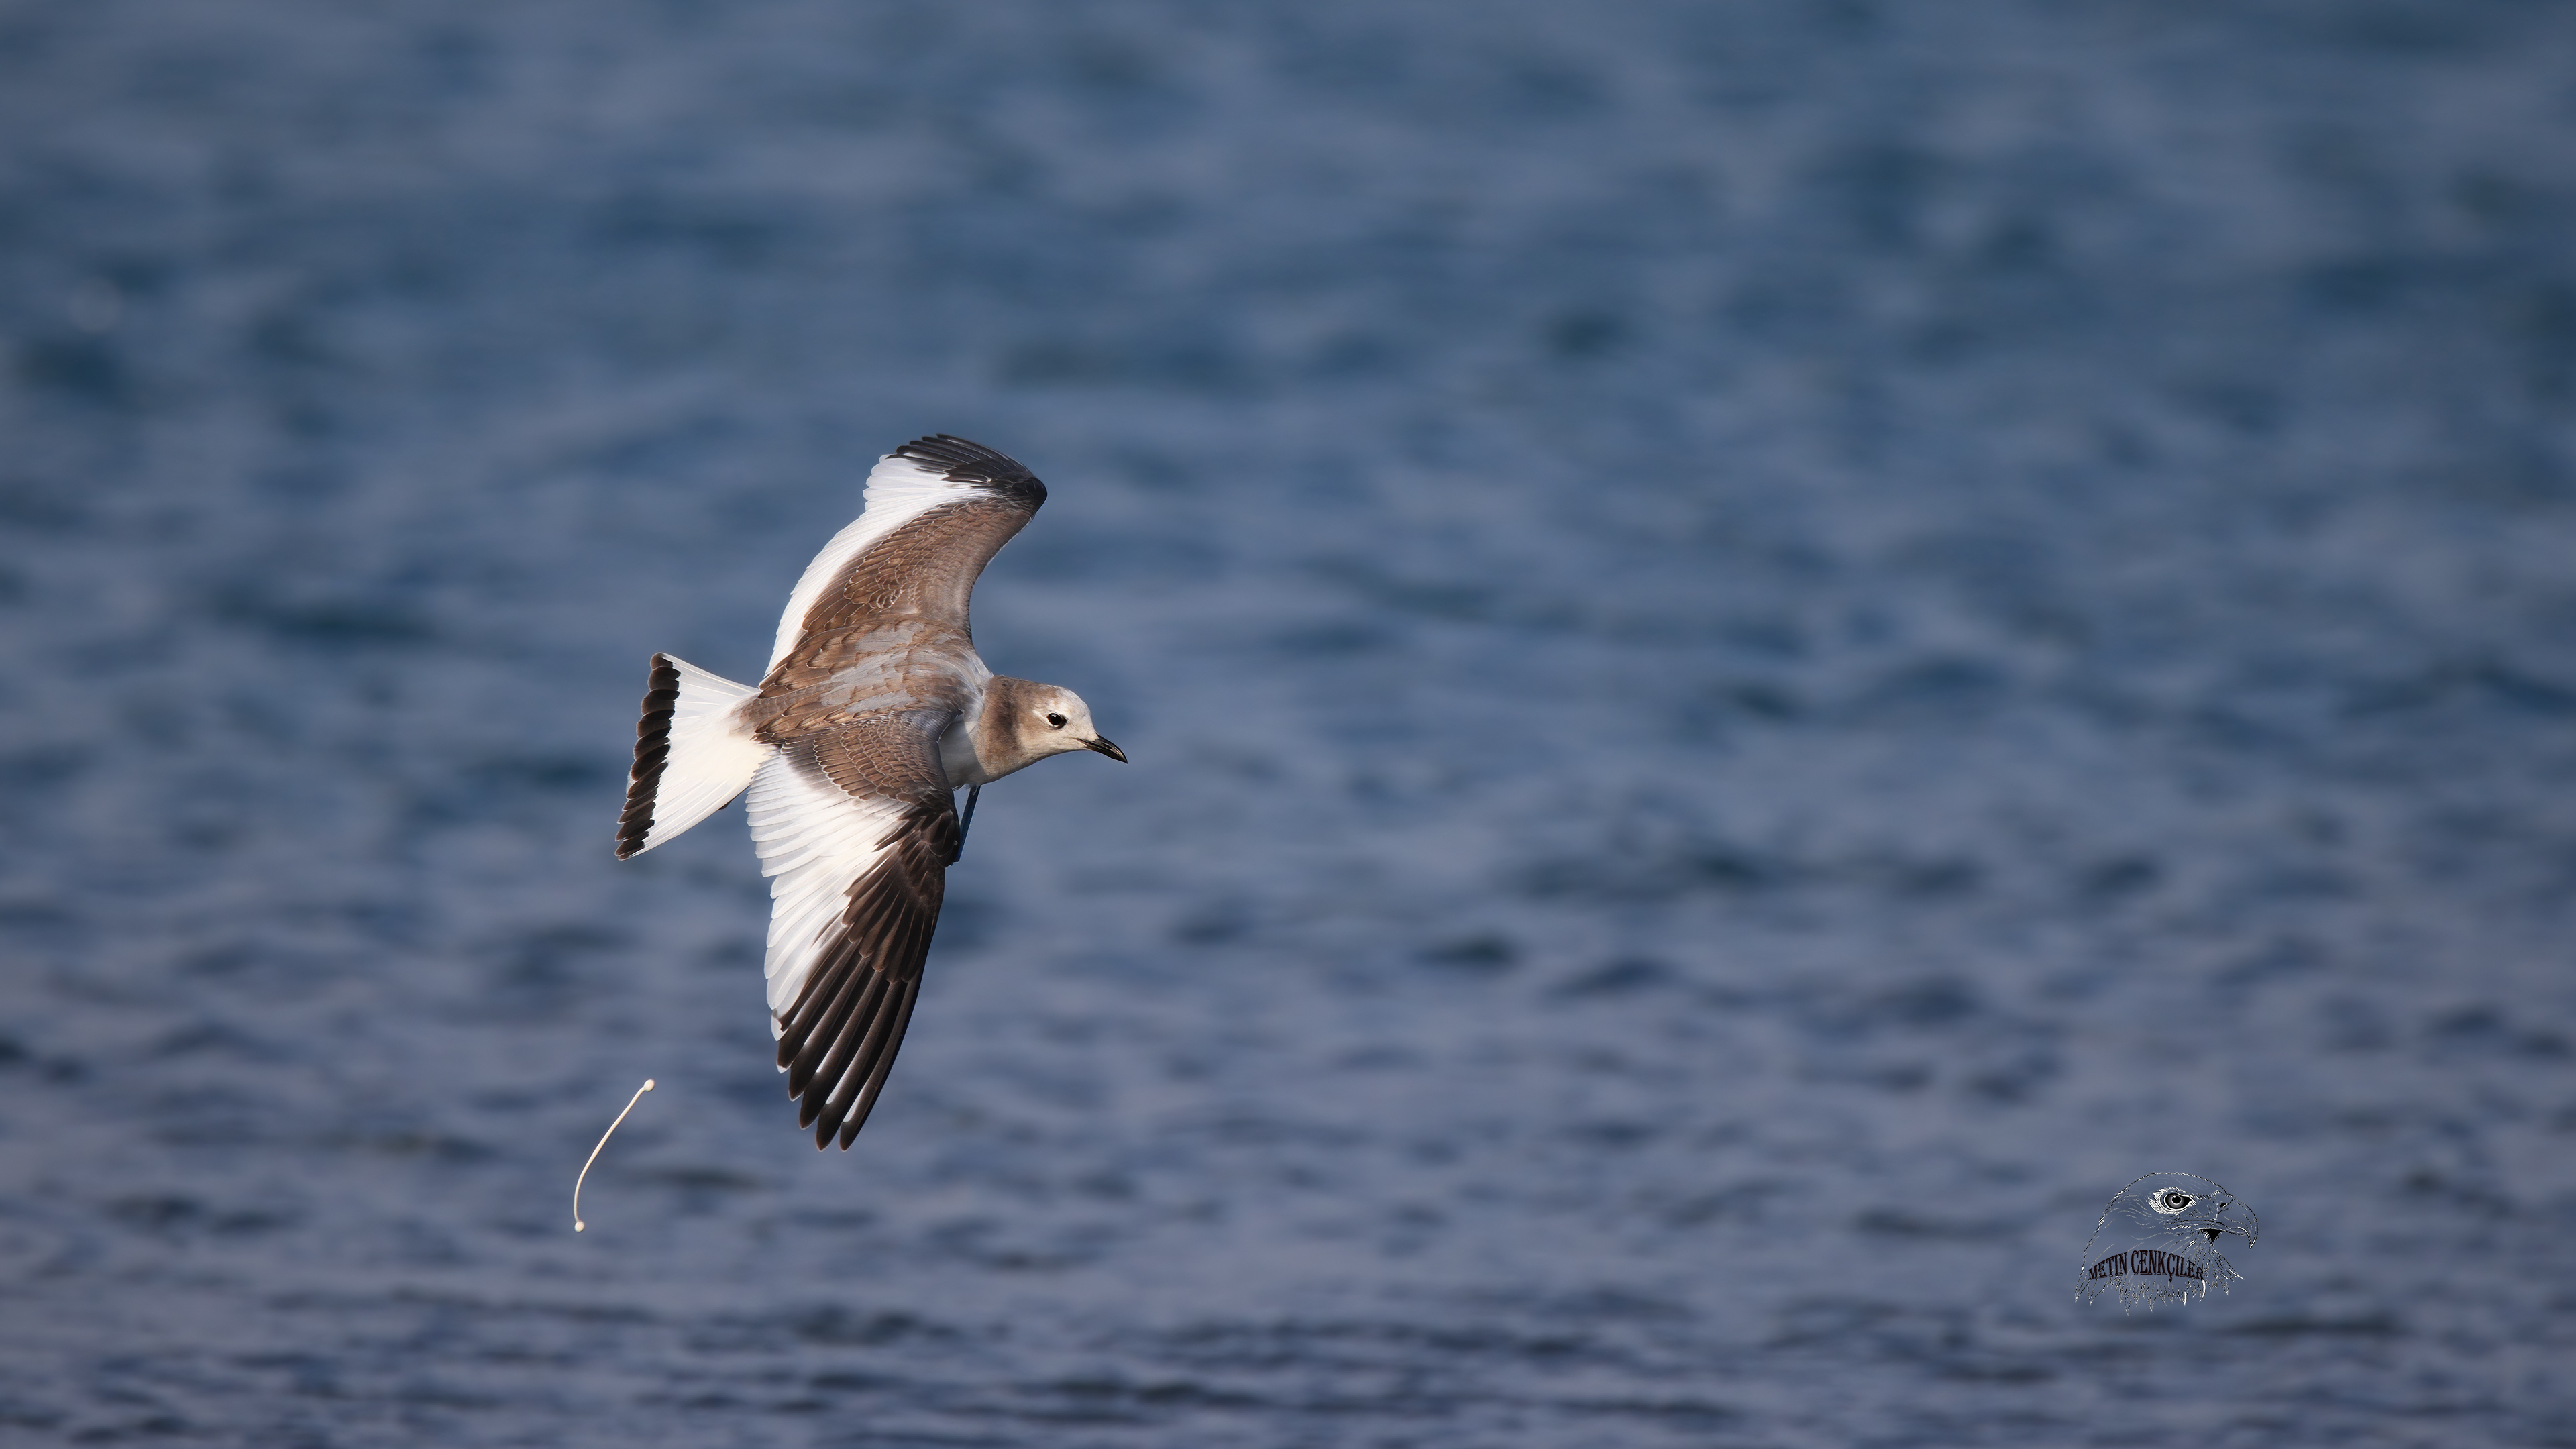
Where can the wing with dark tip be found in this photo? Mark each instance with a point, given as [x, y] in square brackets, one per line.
[856, 829]
[938, 508]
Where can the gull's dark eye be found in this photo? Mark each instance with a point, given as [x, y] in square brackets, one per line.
[1054, 721]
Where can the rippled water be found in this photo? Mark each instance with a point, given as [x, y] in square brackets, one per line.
[1768, 647]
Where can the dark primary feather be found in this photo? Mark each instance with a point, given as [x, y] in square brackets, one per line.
[967, 461]
[838, 1039]
[652, 751]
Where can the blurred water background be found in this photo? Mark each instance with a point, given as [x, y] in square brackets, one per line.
[1768, 647]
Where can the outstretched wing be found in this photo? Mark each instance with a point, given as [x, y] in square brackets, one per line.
[856, 828]
[938, 508]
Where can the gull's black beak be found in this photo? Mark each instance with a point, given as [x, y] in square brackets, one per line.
[1106, 748]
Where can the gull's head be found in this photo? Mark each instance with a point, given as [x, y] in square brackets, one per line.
[1053, 720]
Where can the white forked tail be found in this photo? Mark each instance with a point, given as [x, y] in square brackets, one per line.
[692, 754]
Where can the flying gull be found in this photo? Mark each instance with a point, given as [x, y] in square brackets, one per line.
[874, 712]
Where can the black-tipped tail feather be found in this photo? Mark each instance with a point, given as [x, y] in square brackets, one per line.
[652, 752]
[691, 754]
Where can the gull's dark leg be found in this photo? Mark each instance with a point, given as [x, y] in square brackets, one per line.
[965, 821]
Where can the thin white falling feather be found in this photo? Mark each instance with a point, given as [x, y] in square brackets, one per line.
[713, 752]
[899, 490]
[587, 1163]
[814, 839]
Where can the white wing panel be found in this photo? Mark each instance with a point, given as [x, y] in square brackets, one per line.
[814, 839]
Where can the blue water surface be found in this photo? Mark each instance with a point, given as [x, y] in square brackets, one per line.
[1767, 647]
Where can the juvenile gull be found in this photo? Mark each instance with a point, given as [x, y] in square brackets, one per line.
[874, 711]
